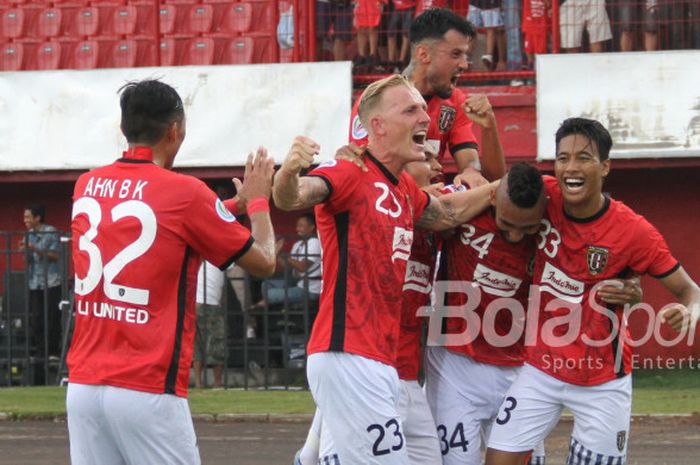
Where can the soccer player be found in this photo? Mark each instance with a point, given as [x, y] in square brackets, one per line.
[140, 232]
[490, 254]
[440, 42]
[577, 354]
[416, 418]
[366, 222]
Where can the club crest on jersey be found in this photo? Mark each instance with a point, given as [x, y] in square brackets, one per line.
[223, 212]
[358, 130]
[621, 439]
[597, 259]
[446, 118]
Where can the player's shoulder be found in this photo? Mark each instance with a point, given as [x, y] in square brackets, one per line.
[623, 214]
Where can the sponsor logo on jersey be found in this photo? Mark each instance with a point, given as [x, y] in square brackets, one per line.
[403, 238]
[358, 130]
[597, 259]
[223, 212]
[556, 282]
[446, 118]
[621, 439]
[417, 277]
[494, 282]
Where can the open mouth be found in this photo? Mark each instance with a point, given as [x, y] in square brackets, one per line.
[574, 185]
[419, 138]
[454, 80]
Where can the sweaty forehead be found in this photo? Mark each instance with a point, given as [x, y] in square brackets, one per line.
[577, 143]
[402, 96]
[454, 39]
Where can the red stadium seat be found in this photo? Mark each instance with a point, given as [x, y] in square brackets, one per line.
[173, 20]
[13, 23]
[200, 51]
[11, 57]
[201, 18]
[125, 20]
[48, 56]
[183, 2]
[86, 55]
[263, 16]
[239, 51]
[286, 55]
[169, 55]
[50, 23]
[238, 18]
[87, 21]
[124, 54]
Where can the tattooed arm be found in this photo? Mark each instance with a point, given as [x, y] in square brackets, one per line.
[292, 192]
[451, 210]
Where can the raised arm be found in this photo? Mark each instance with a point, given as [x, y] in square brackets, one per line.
[260, 259]
[493, 165]
[292, 192]
[687, 292]
[451, 210]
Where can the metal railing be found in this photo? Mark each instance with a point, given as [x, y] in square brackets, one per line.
[264, 346]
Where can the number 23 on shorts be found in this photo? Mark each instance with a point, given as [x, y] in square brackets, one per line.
[394, 442]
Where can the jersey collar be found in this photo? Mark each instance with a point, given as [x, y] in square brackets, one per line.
[138, 154]
[598, 214]
[394, 180]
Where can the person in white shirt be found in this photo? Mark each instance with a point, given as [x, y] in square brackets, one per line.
[209, 340]
[304, 260]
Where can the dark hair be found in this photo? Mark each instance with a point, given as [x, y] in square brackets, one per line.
[524, 185]
[433, 23]
[148, 108]
[310, 218]
[592, 129]
[37, 210]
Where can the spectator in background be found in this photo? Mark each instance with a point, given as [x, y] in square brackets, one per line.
[367, 15]
[575, 15]
[683, 19]
[537, 17]
[487, 14]
[305, 263]
[337, 13]
[42, 244]
[399, 24]
[632, 14]
[210, 337]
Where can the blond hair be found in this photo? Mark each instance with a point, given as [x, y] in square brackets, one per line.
[372, 95]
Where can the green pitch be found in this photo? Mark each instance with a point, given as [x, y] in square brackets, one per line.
[655, 392]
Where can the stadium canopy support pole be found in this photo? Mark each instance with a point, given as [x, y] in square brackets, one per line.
[156, 6]
[311, 29]
[296, 53]
[556, 33]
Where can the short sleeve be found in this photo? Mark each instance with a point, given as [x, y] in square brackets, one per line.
[358, 133]
[212, 231]
[462, 135]
[650, 253]
[341, 177]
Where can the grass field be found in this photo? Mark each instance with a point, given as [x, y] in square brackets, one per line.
[655, 392]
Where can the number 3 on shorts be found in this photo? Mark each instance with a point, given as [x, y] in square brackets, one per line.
[395, 428]
[505, 417]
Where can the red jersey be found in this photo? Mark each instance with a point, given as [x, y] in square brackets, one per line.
[536, 16]
[139, 232]
[572, 256]
[416, 294]
[422, 5]
[366, 230]
[450, 128]
[404, 4]
[478, 254]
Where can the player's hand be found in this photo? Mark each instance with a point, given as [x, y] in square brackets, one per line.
[679, 317]
[478, 109]
[621, 291]
[471, 178]
[257, 178]
[300, 155]
[435, 190]
[22, 244]
[352, 153]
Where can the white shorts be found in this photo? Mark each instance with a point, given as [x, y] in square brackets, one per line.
[485, 18]
[358, 399]
[418, 427]
[114, 426]
[574, 15]
[464, 396]
[534, 404]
